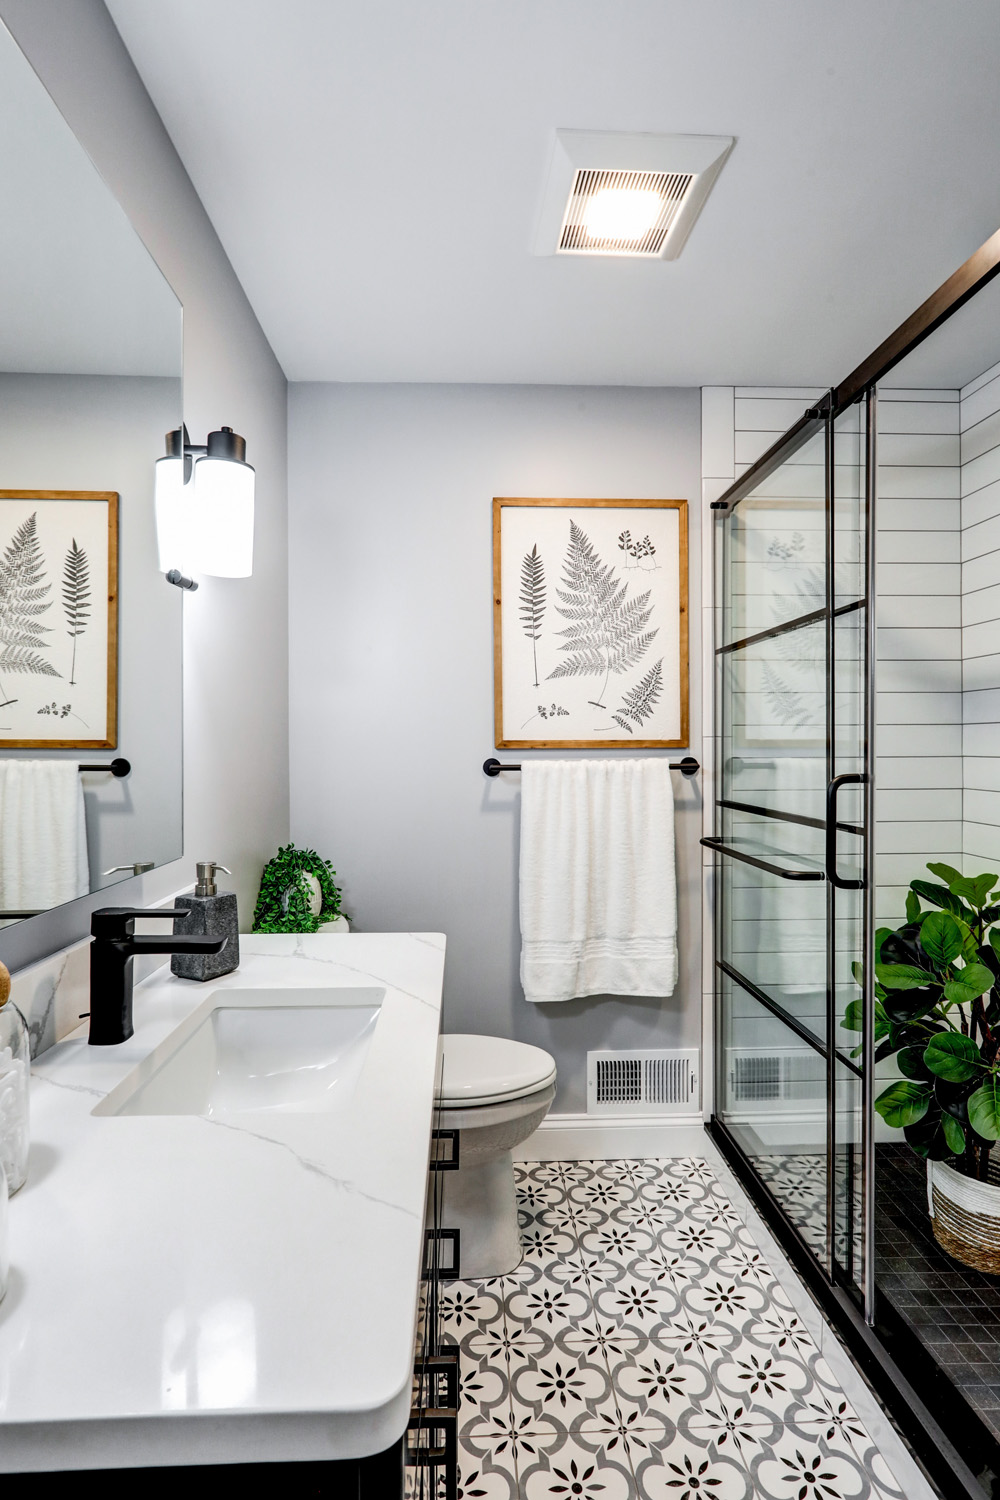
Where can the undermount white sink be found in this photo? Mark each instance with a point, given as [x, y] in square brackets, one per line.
[257, 1051]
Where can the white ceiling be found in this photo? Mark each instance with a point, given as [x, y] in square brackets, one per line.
[79, 292]
[374, 171]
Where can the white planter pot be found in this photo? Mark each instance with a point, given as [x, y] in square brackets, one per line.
[339, 924]
[965, 1215]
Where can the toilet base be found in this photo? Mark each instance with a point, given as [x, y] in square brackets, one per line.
[479, 1202]
[479, 1199]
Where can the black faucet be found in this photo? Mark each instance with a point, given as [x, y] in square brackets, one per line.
[111, 953]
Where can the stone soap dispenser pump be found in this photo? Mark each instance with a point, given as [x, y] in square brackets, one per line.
[213, 913]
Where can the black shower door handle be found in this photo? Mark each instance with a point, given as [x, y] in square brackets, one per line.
[832, 793]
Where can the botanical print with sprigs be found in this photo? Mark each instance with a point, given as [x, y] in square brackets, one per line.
[58, 619]
[590, 623]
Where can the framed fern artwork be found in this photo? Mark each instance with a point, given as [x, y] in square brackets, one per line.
[58, 619]
[590, 624]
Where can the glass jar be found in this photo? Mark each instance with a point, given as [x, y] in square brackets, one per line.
[15, 1067]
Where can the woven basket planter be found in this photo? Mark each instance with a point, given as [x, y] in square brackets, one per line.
[965, 1215]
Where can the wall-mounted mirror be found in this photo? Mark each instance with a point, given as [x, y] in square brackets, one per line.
[90, 632]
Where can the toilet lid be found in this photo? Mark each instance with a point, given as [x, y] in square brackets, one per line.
[489, 1069]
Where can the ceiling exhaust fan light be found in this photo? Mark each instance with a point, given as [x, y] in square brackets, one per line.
[622, 213]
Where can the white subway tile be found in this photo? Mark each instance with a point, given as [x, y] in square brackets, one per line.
[983, 807]
[717, 426]
[920, 546]
[979, 740]
[919, 804]
[917, 770]
[913, 836]
[898, 869]
[909, 393]
[807, 394]
[980, 572]
[982, 842]
[982, 773]
[918, 578]
[749, 446]
[972, 387]
[912, 480]
[897, 612]
[904, 513]
[931, 449]
[917, 644]
[981, 505]
[982, 707]
[919, 708]
[981, 640]
[981, 436]
[981, 471]
[768, 414]
[917, 416]
[981, 538]
[919, 676]
[981, 672]
[980, 605]
[906, 740]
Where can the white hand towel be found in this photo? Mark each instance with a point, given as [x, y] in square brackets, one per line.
[598, 892]
[43, 835]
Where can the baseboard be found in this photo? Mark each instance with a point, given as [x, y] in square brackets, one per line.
[596, 1137]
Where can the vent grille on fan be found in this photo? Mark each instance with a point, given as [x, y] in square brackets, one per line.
[642, 1082]
[576, 239]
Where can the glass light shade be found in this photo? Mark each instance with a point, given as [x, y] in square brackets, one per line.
[171, 503]
[222, 517]
[622, 213]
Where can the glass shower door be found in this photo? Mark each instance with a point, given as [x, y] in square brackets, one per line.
[789, 914]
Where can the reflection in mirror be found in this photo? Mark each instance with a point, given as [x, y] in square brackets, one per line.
[90, 633]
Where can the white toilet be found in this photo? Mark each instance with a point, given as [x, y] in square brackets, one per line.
[495, 1092]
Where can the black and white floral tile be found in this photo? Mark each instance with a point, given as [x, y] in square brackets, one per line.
[644, 1348]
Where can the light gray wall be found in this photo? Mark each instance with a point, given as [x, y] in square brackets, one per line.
[235, 631]
[391, 679]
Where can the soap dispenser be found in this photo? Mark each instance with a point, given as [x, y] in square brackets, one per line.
[212, 912]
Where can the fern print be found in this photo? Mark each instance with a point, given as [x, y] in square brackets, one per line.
[637, 553]
[607, 630]
[22, 600]
[639, 702]
[786, 703]
[533, 600]
[76, 597]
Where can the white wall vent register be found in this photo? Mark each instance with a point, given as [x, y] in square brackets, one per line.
[643, 1083]
[756, 1077]
[610, 193]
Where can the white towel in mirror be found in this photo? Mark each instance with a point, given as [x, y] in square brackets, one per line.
[43, 835]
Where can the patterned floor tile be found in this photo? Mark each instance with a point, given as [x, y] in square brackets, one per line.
[572, 1470]
[643, 1350]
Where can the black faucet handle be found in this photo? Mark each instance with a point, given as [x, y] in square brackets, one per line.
[119, 921]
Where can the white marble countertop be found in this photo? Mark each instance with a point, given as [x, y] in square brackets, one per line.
[186, 1290]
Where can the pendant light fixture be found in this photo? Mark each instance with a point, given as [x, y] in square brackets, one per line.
[204, 498]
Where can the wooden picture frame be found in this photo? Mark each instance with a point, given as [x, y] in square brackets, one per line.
[603, 596]
[59, 619]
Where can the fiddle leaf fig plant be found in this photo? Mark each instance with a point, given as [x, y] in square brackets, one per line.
[283, 902]
[937, 1010]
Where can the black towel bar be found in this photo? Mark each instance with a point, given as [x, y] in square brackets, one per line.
[117, 767]
[689, 766]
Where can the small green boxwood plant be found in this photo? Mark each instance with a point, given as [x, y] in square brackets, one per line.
[937, 1008]
[283, 899]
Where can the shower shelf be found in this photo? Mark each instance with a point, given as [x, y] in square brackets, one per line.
[722, 847]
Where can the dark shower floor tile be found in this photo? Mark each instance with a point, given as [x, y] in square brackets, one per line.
[952, 1310]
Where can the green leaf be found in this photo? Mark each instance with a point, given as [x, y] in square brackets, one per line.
[995, 941]
[953, 1134]
[901, 976]
[912, 906]
[952, 1056]
[857, 973]
[975, 977]
[941, 937]
[947, 873]
[937, 895]
[881, 1022]
[853, 1016]
[911, 1062]
[984, 1109]
[956, 993]
[881, 933]
[974, 890]
[903, 1103]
